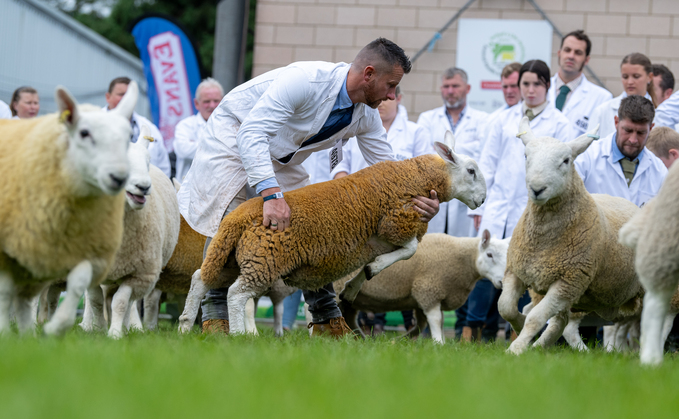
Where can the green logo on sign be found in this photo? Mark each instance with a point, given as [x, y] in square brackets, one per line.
[502, 49]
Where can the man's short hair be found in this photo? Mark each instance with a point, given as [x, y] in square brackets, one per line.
[118, 80]
[637, 109]
[384, 51]
[666, 76]
[580, 35]
[209, 82]
[451, 72]
[661, 140]
[510, 68]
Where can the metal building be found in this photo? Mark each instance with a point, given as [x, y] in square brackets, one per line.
[43, 47]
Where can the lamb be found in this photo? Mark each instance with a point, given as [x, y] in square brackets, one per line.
[440, 275]
[151, 229]
[62, 211]
[374, 228]
[654, 233]
[565, 246]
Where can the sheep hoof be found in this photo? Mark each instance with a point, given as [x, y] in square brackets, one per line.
[515, 349]
[368, 272]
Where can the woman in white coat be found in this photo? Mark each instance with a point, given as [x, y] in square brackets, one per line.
[505, 172]
[636, 74]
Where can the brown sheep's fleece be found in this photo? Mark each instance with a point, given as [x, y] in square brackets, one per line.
[574, 239]
[335, 228]
[186, 259]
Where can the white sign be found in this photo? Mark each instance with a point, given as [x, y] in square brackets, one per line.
[172, 85]
[485, 46]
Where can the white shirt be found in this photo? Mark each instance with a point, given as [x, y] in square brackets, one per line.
[469, 132]
[581, 102]
[602, 175]
[407, 140]
[506, 196]
[667, 113]
[5, 112]
[261, 122]
[604, 115]
[186, 135]
[159, 156]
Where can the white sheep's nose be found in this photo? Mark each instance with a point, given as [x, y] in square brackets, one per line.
[117, 182]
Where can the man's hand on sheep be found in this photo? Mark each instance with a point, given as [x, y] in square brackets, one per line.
[276, 211]
[427, 207]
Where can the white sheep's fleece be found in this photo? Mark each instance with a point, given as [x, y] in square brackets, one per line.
[61, 213]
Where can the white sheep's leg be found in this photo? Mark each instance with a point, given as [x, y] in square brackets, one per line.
[6, 297]
[538, 316]
[621, 336]
[151, 309]
[557, 324]
[309, 318]
[278, 317]
[132, 319]
[238, 296]
[609, 337]
[635, 334]
[77, 282]
[527, 308]
[656, 305]
[667, 326]
[353, 286]
[24, 313]
[572, 335]
[435, 320]
[508, 304]
[384, 261]
[94, 305]
[196, 294]
[250, 309]
[43, 310]
[119, 307]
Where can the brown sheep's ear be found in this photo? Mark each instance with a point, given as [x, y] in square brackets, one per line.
[445, 152]
[485, 239]
[68, 107]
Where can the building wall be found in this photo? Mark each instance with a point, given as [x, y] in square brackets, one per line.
[335, 30]
[42, 47]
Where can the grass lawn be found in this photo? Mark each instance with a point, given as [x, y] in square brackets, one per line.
[164, 375]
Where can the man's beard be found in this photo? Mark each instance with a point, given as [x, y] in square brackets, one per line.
[370, 99]
[454, 105]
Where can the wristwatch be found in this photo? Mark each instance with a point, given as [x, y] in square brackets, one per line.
[276, 195]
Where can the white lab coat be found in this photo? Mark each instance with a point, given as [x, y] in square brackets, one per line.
[580, 106]
[407, 140]
[468, 139]
[667, 114]
[602, 175]
[5, 112]
[506, 197]
[604, 115]
[317, 165]
[186, 135]
[261, 122]
[159, 156]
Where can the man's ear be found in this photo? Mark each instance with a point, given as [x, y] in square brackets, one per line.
[368, 72]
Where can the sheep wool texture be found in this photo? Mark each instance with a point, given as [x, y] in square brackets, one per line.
[335, 228]
[442, 270]
[186, 259]
[45, 229]
[573, 239]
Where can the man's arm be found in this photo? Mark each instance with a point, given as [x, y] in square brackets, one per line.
[667, 114]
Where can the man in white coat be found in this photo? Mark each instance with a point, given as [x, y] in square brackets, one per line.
[619, 164]
[5, 112]
[264, 129]
[468, 126]
[159, 156]
[570, 91]
[208, 95]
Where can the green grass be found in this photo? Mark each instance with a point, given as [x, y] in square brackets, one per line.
[164, 375]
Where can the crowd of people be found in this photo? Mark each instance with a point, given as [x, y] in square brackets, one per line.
[314, 121]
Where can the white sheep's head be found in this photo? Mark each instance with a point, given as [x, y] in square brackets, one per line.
[138, 185]
[549, 162]
[467, 181]
[491, 260]
[97, 142]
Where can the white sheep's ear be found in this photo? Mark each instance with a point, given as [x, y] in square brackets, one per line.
[525, 133]
[449, 140]
[485, 239]
[580, 144]
[446, 153]
[68, 107]
[145, 137]
[176, 184]
[129, 101]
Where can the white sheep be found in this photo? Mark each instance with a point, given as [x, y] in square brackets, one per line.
[151, 229]
[565, 246]
[654, 234]
[439, 276]
[62, 211]
[364, 219]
